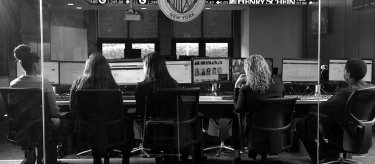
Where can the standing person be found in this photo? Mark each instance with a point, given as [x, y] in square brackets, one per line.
[156, 77]
[96, 75]
[332, 110]
[257, 82]
[30, 63]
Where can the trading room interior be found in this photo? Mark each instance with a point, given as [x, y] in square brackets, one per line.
[208, 52]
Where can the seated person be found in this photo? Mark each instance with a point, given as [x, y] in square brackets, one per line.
[156, 77]
[31, 66]
[96, 75]
[257, 82]
[354, 72]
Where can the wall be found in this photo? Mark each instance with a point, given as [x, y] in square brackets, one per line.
[351, 33]
[274, 32]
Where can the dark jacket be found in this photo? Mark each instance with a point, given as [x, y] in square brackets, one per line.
[334, 106]
[245, 98]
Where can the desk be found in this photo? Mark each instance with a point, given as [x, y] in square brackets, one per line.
[208, 100]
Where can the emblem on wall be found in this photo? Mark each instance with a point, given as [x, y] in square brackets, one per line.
[181, 10]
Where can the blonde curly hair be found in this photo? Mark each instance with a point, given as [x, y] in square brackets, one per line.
[258, 73]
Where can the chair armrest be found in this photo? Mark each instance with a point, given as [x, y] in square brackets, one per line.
[131, 110]
[66, 114]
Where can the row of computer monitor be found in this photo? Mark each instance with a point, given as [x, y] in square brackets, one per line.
[199, 70]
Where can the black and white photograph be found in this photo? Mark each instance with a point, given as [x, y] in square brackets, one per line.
[187, 81]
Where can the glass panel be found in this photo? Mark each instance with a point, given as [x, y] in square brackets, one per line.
[217, 49]
[146, 48]
[113, 50]
[187, 49]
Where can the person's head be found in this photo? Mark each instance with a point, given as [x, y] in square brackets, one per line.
[355, 70]
[29, 60]
[258, 74]
[156, 71]
[98, 72]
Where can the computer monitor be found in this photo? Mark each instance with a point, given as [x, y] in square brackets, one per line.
[127, 73]
[238, 68]
[300, 70]
[50, 70]
[210, 70]
[70, 71]
[180, 71]
[336, 70]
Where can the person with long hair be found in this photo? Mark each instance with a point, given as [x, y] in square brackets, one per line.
[255, 83]
[30, 62]
[156, 77]
[96, 75]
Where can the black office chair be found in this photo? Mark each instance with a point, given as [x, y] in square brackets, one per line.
[102, 123]
[174, 124]
[24, 113]
[357, 130]
[271, 126]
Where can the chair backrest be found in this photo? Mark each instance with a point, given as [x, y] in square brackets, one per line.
[178, 107]
[271, 124]
[100, 116]
[23, 107]
[360, 113]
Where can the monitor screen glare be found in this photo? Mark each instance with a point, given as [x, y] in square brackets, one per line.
[127, 73]
[298, 70]
[70, 71]
[180, 71]
[337, 66]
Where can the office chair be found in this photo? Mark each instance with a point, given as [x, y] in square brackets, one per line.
[24, 113]
[357, 130]
[271, 126]
[102, 123]
[174, 124]
[223, 132]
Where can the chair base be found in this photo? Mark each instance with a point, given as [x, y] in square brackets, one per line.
[142, 150]
[342, 161]
[221, 147]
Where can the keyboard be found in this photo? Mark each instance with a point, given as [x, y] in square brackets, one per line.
[313, 97]
[63, 98]
[227, 97]
[128, 97]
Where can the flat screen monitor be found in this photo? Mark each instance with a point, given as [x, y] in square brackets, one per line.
[50, 70]
[210, 70]
[238, 67]
[336, 69]
[127, 73]
[70, 71]
[180, 71]
[300, 70]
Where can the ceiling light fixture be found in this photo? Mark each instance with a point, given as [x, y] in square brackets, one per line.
[79, 8]
[70, 4]
[207, 8]
[143, 8]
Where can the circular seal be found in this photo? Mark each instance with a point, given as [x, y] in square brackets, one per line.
[181, 10]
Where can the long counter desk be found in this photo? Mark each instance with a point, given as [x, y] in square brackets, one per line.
[209, 100]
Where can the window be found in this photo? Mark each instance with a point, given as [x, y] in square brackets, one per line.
[113, 50]
[217, 49]
[187, 49]
[146, 48]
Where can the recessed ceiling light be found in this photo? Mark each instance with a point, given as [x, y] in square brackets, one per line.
[207, 8]
[79, 8]
[143, 8]
[70, 4]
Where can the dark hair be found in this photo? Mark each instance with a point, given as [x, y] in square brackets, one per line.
[98, 73]
[26, 57]
[356, 67]
[157, 73]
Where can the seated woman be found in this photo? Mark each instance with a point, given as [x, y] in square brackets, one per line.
[96, 75]
[156, 77]
[255, 83]
[31, 66]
